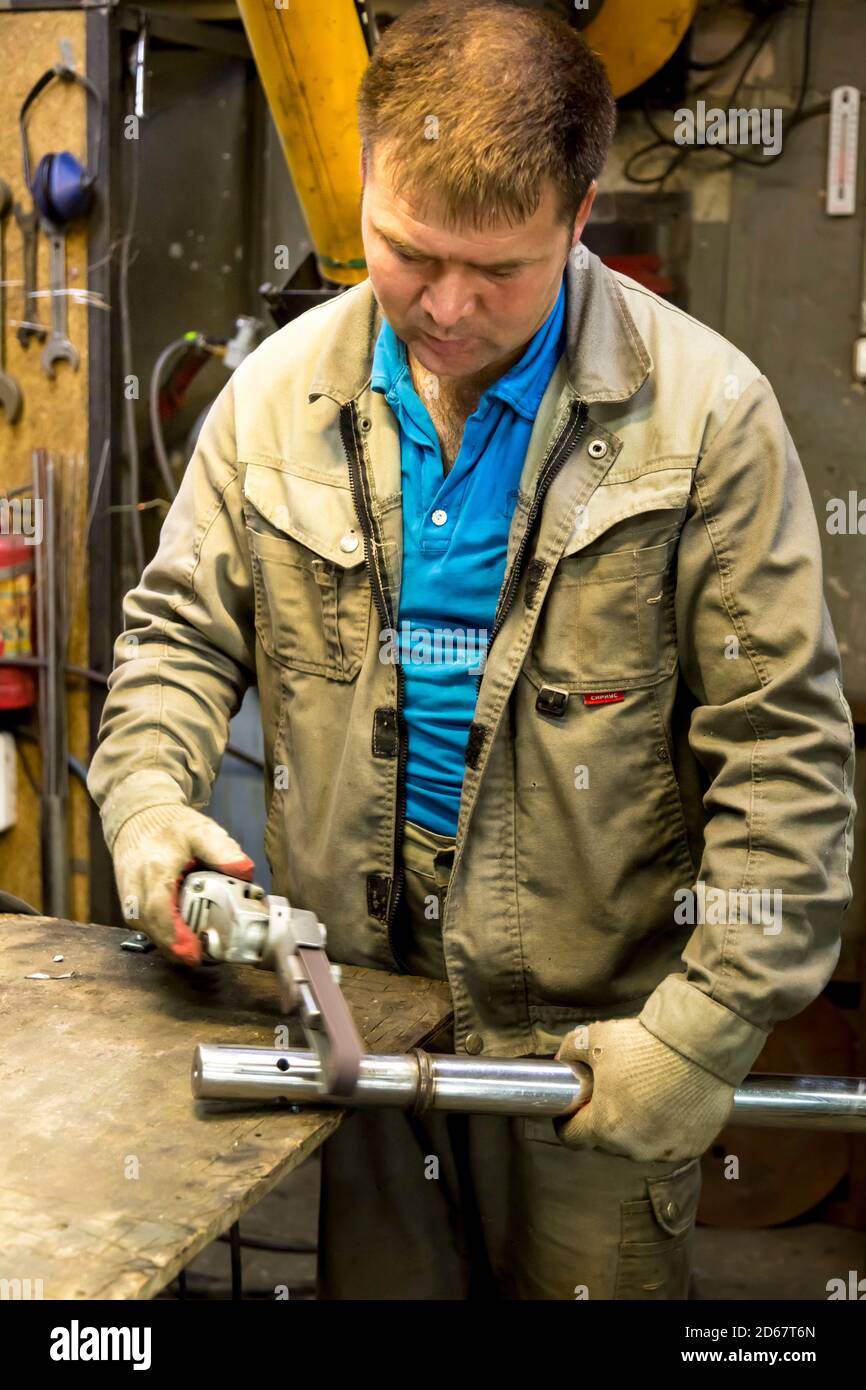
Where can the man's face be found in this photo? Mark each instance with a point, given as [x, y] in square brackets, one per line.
[466, 302]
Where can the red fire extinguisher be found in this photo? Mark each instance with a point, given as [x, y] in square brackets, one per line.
[17, 686]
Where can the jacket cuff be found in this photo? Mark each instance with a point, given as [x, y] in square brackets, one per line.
[137, 792]
[702, 1029]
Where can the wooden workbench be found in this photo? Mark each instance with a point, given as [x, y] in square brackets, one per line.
[111, 1176]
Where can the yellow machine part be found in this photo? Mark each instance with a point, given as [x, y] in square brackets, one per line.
[310, 59]
[634, 40]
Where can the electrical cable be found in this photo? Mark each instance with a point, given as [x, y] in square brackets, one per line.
[175, 348]
[663, 140]
[715, 63]
[133, 480]
[797, 116]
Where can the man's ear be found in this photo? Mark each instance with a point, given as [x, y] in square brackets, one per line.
[583, 212]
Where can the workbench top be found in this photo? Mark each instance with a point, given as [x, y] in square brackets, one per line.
[111, 1176]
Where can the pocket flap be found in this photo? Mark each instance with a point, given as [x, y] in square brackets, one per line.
[675, 1197]
[320, 515]
[665, 489]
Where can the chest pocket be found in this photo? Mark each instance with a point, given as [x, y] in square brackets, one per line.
[607, 621]
[312, 595]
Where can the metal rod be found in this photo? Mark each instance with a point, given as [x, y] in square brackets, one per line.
[500, 1086]
[55, 782]
[423, 1080]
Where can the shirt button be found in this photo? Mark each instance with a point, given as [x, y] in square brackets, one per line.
[439, 517]
[349, 542]
[474, 1044]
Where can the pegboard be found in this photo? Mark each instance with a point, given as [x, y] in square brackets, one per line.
[54, 414]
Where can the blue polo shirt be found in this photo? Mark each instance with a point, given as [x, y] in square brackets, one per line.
[455, 541]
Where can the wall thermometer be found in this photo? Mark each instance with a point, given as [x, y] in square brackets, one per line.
[842, 151]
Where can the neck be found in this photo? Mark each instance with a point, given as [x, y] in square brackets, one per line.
[460, 393]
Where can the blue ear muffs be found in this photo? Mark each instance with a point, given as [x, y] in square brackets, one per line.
[62, 187]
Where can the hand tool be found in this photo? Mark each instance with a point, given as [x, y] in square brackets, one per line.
[28, 224]
[58, 348]
[238, 923]
[10, 391]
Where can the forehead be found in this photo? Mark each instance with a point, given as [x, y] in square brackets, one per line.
[426, 227]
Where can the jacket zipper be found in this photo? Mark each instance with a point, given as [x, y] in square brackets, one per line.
[359, 485]
[558, 454]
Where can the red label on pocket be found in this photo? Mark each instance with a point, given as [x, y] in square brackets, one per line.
[604, 697]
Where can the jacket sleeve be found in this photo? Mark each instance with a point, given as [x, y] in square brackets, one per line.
[186, 654]
[773, 734]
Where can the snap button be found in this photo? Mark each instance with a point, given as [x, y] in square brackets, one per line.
[662, 753]
[597, 449]
[551, 701]
[672, 1210]
[349, 542]
[439, 517]
[365, 423]
[474, 1044]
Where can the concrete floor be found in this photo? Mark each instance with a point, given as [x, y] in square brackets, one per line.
[787, 1263]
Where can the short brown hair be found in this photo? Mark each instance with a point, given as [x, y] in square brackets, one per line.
[511, 95]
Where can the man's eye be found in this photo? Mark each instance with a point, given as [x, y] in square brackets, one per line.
[405, 255]
[501, 274]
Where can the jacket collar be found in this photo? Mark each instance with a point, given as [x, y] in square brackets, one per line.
[606, 358]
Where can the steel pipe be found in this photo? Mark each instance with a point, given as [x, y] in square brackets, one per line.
[419, 1080]
[499, 1086]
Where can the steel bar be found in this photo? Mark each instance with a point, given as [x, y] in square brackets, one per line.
[500, 1086]
[54, 741]
[420, 1080]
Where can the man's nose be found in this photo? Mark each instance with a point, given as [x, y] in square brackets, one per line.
[447, 301]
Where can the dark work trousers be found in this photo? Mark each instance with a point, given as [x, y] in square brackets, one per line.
[453, 1206]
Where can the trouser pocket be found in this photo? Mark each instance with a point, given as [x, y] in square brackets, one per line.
[657, 1236]
[417, 933]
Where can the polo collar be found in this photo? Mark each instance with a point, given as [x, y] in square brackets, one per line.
[606, 358]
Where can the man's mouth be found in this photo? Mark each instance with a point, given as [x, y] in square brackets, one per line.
[447, 342]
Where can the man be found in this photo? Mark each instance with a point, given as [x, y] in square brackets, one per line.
[635, 742]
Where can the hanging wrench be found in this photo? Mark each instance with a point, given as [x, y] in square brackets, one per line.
[10, 391]
[58, 347]
[28, 223]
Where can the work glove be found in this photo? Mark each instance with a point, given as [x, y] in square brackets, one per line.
[648, 1101]
[153, 852]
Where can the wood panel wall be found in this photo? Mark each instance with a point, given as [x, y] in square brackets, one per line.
[54, 415]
